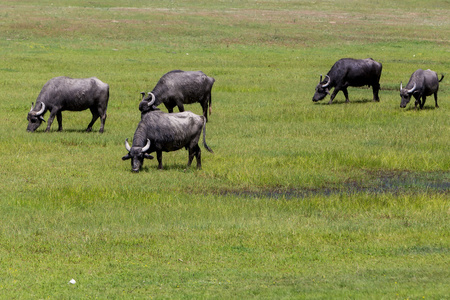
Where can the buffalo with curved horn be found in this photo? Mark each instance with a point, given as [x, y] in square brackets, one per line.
[148, 104]
[421, 84]
[349, 72]
[177, 88]
[159, 131]
[64, 93]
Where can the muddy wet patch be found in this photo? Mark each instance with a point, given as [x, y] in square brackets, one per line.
[389, 183]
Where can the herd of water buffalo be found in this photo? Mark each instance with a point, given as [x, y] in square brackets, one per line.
[159, 131]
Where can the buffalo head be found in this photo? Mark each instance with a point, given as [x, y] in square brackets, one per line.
[137, 155]
[147, 103]
[35, 117]
[406, 95]
[322, 89]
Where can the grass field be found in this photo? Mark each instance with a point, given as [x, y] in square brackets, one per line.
[300, 200]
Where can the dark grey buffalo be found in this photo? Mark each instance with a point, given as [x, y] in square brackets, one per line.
[349, 72]
[421, 84]
[64, 93]
[177, 88]
[159, 131]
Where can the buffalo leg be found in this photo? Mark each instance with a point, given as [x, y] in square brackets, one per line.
[435, 100]
[169, 107]
[95, 116]
[195, 151]
[50, 120]
[103, 120]
[102, 113]
[424, 98]
[208, 103]
[336, 90]
[198, 156]
[159, 158]
[205, 110]
[59, 119]
[376, 89]
[417, 102]
[191, 157]
[346, 95]
[180, 107]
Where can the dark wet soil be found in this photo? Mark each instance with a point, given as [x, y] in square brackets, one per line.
[393, 183]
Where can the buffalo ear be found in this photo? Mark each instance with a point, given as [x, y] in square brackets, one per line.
[128, 156]
[148, 156]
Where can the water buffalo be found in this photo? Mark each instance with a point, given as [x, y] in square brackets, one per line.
[421, 84]
[177, 88]
[159, 131]
[74, 94]
[349, 72]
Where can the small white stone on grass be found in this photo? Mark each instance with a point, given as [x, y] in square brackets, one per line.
[72, 281]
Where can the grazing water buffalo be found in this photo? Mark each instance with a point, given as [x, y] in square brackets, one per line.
[64, 93]
[349, 72]
[177, 88]
[159, 131]
[421, 84]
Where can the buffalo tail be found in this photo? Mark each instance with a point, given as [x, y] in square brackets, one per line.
[204, 137]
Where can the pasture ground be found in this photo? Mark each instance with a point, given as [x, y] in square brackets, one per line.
[299, 200]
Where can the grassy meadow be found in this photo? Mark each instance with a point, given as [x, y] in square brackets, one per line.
[300, 200]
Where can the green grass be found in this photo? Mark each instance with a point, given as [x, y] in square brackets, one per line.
[167, 246]
[299, 200]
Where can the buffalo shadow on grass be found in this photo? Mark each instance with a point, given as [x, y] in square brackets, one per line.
[81, 130]
[150, 166]
[426, 107]
[335, 101]
[39, 131]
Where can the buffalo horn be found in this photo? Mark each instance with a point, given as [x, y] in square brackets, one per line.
[127, 146]
[146, 147]
[328, 82]
[41, 111]
[412, 90]
[32, 104]
[401, 86]
[153, 99]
